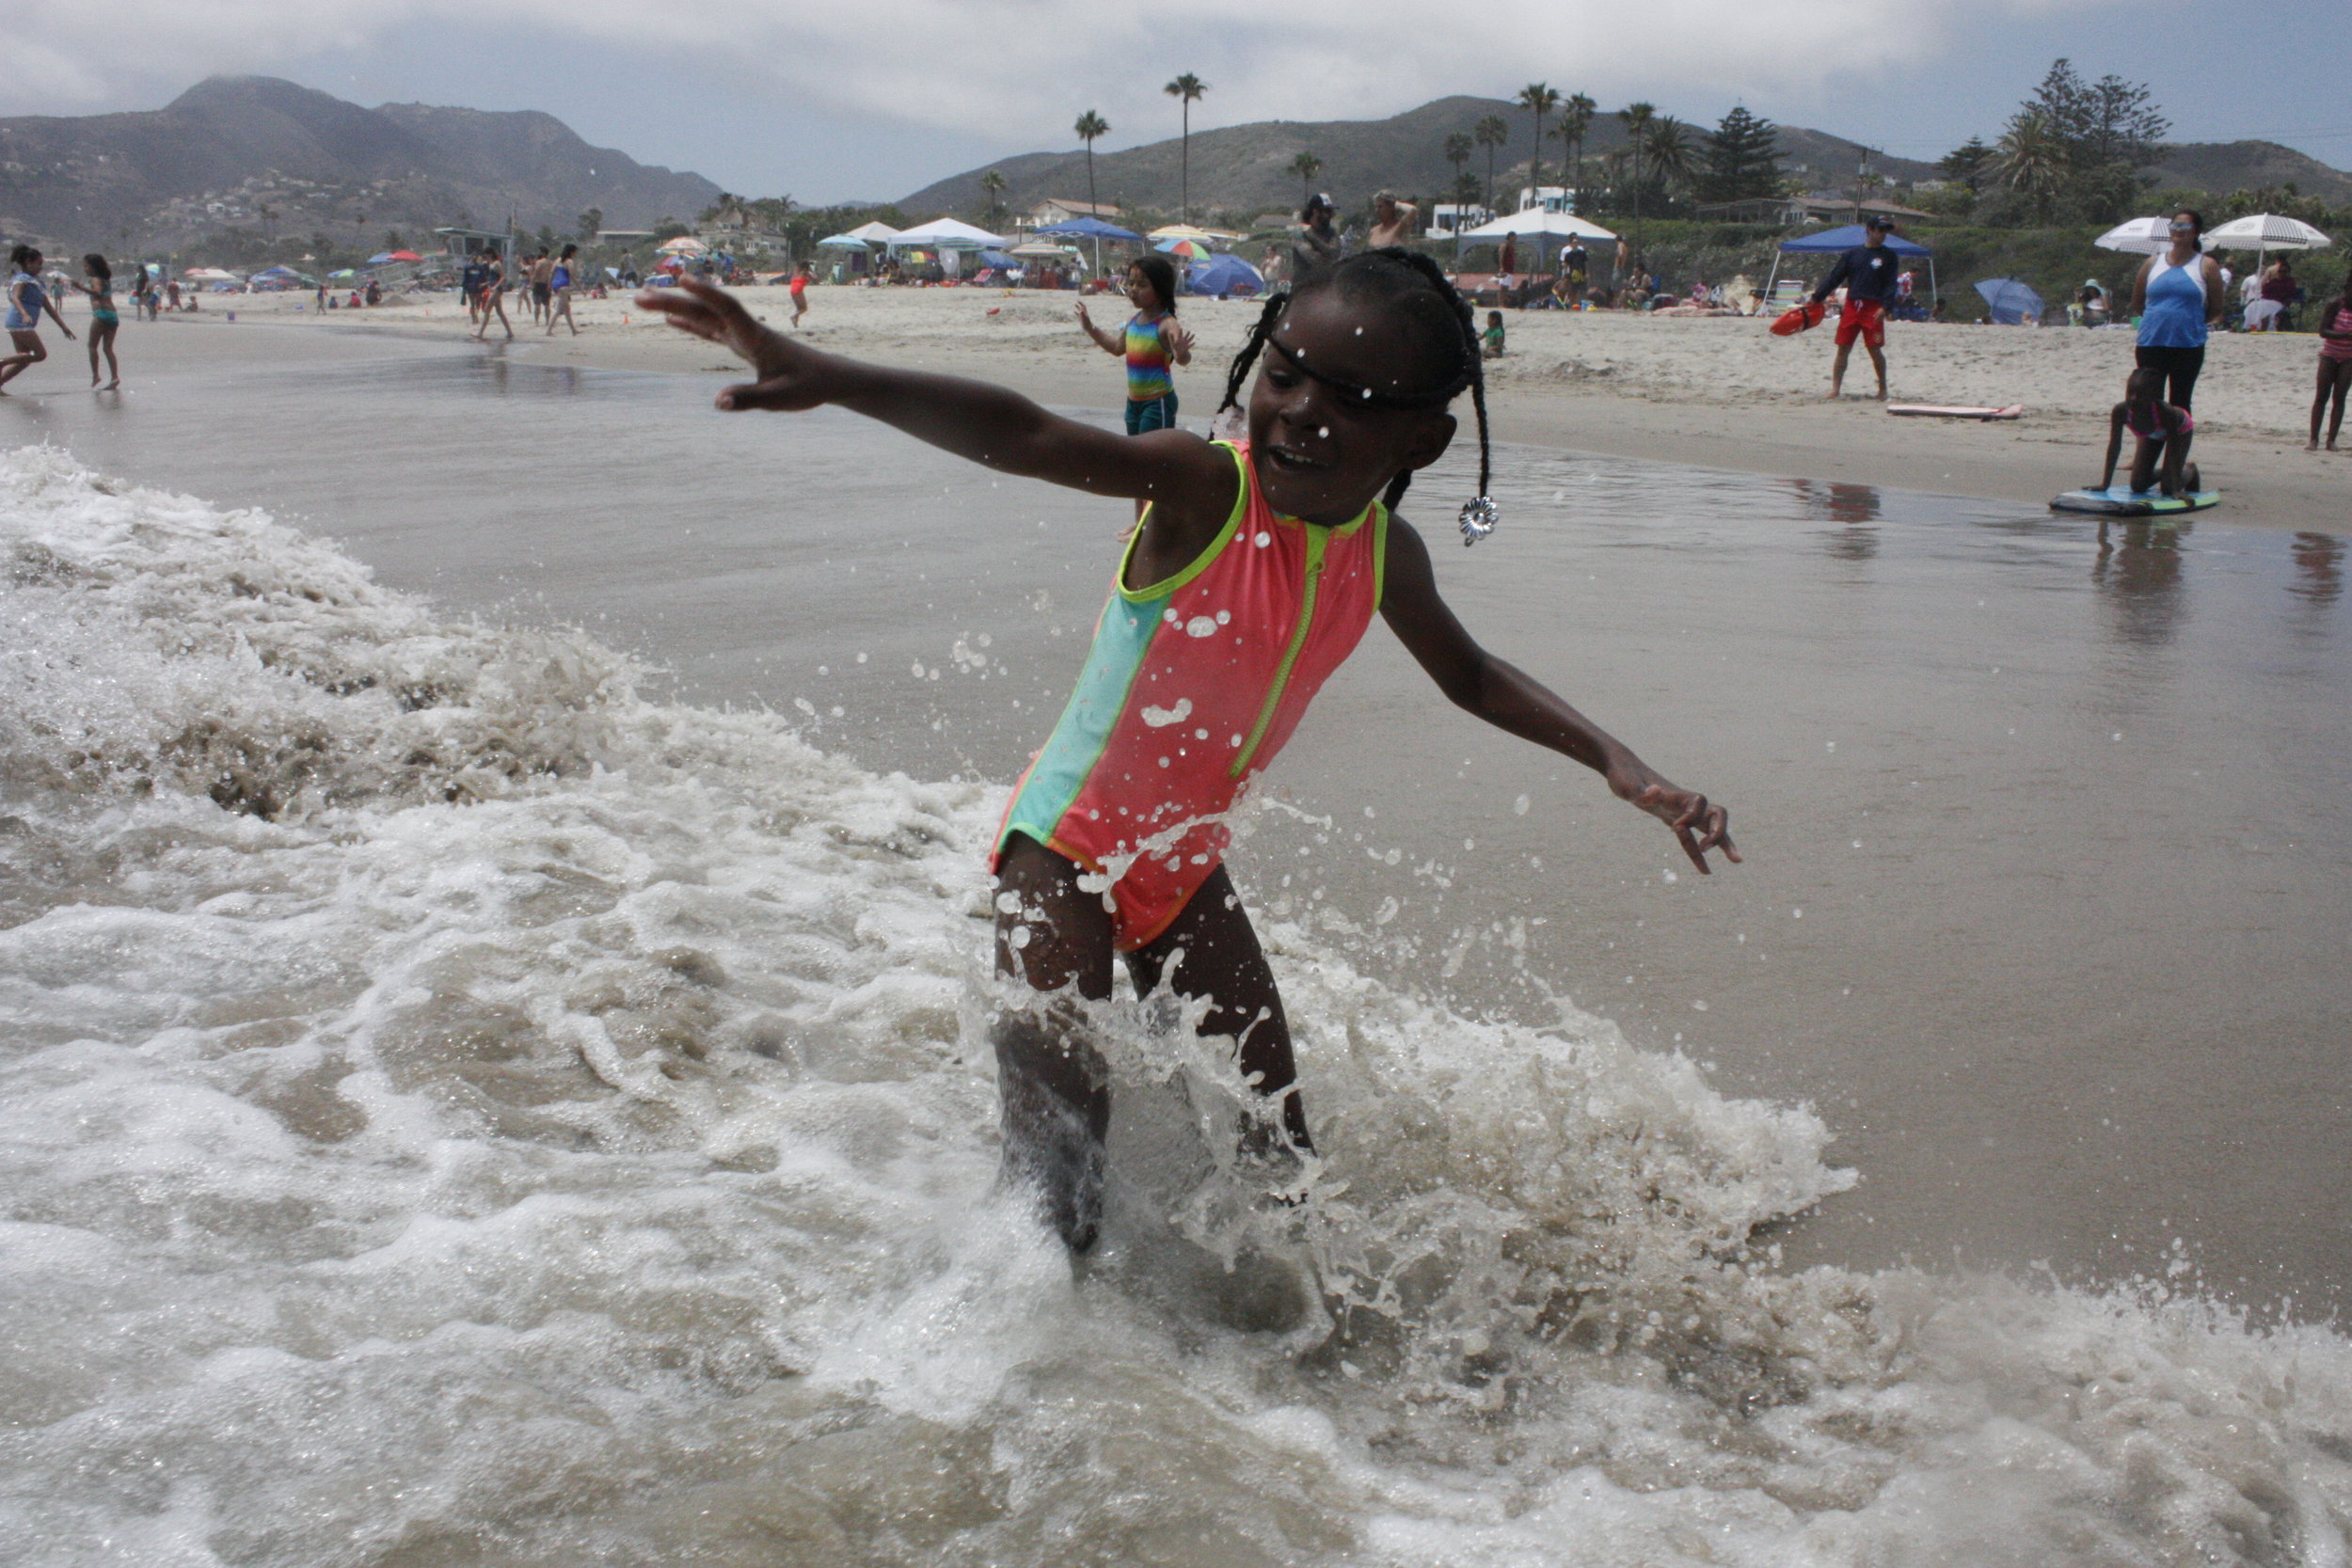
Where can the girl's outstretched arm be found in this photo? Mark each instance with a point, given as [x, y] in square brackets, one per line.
[1511, 700]
[986, 423]
[2115, 447]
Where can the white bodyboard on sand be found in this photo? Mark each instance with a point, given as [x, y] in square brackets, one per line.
[1954, 411]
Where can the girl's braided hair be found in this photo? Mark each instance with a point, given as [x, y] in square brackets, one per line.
[1412, 287]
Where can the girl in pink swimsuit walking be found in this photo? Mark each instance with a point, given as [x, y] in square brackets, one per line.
[1256, 568]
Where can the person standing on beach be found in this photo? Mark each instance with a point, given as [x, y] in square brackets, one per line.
[470, 280]
[560, 291]
[2335, 363]
[27, 299]
[2177, 296]
[1868, 271]
[104, 321]
[1152, 343]
[1576, 271]
[1317, 245]
[493, 296]
[800, 292]
[1391, 221]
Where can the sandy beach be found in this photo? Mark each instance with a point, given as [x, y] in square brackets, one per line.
[1719, 392]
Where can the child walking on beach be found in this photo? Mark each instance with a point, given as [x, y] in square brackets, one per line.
[2161, 434]
[1258, 566]
[105, 320]
[2335, 364]
[27, 299]
[1150, 342]
[799, 292]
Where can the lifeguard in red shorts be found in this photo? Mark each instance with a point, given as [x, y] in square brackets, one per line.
[1868, 271]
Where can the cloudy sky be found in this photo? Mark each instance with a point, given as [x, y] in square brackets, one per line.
[830, 101]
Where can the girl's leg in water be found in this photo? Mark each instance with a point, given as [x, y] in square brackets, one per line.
[104, 333]
[29, 352]
[1212, 952]
[1053, 1087]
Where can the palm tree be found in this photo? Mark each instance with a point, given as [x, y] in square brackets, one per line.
[1092, 125]
[1636, 119]
[2031, 160]
[1457, 152]
[1672, 150]
[1576, 118]
[1306, 166]
[994, 184]
[1538, 98]
[1491, 133]
[1186, 89]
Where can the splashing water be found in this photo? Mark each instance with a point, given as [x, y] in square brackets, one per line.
[456, 1109]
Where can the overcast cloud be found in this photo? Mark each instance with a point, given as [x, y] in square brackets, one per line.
[830, 100]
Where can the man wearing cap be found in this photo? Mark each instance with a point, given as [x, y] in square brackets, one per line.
[1318, 245]
[1869, 273]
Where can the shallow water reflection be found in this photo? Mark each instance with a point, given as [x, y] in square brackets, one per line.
[2046, 900]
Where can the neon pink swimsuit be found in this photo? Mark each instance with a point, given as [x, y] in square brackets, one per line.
[1191, 687]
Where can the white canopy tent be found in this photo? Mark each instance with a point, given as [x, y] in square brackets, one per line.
[1537, 223]
[876, 232]
[947, 235]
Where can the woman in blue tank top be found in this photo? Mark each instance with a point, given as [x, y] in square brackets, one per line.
[2176, 295]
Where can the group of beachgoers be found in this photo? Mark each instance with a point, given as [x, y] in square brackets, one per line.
[544, 277]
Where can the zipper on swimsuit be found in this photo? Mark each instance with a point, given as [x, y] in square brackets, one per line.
[1317, 540]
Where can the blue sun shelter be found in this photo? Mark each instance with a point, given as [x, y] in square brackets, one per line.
[1836, 242]
[1223, 274]
[2012, 303]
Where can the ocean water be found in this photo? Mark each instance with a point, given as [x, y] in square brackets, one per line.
[472, 1098]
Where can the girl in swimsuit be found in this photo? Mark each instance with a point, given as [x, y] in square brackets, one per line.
[493, 296]
[2335, 364]
[799, 292]
[560, 292]
[104, 321]
[1258, 565]
[2161, 432]
[27, 299]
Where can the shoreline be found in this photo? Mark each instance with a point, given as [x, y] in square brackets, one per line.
[1710, 393]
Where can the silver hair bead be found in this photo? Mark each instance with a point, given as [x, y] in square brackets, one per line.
[1479, 518]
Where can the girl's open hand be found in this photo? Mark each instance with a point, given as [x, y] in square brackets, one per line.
[1177, 340]
[1699, 826]
[791, 376]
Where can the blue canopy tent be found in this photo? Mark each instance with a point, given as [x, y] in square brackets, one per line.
[1833, 242]
[2012, 303]
[1090, 228]
[1223, 274]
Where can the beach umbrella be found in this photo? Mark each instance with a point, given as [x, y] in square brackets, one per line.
[1034, 249]
[1186, 249]
[344, 272]
[2012, 303]
[2265, 231]
[404, 255]
[1171, 232]
[841, 242]
[210, 275]
[2138, 237]
[685, 245]
[379, 260]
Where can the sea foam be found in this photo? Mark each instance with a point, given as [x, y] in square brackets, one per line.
[456, 1109]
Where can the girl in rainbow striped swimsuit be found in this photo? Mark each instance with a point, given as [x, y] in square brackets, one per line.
[1257, 567]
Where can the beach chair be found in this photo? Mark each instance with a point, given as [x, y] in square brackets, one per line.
[1786, 295]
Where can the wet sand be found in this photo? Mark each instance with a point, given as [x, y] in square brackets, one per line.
[1721, 393]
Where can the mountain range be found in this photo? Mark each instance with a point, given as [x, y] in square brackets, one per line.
[1246, 169]
[263, 154]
